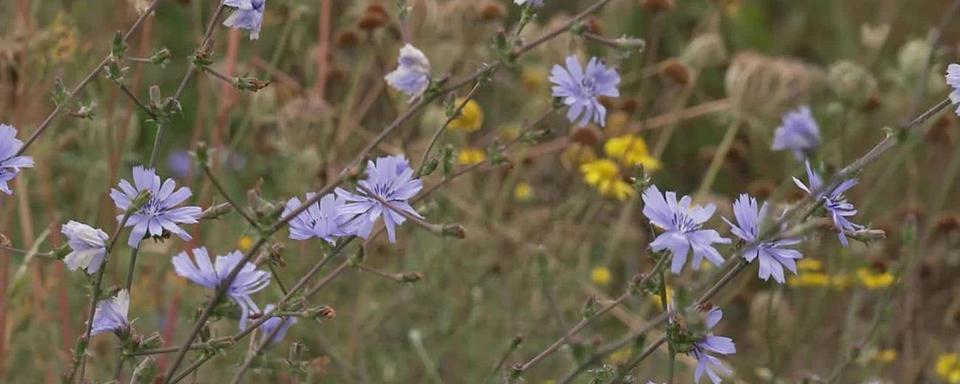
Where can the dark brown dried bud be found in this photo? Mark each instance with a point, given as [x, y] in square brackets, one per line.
[676, 71]
[940, 132]
[947, 223]
[607, 101]
[378, 9]
[347, 38]
[629, 105]
[657, 5]
[588, 135]
[592, 25]
[371, 21]
[492, 11]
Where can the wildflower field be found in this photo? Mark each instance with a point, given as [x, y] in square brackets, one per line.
[479, 191]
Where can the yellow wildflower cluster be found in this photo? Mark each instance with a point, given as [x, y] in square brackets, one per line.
[470, 119]
[812, 275]
[874, 280]
[471, 156]
[631, 151]
[522, 192]
[948, 367]
[601, 275]
[605, 175]
[244, 243]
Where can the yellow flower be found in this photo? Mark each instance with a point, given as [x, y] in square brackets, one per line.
[809, 265]
[815, 279]
[655, 299]
[244, 243]
[600, 275]
[605, 176]
[954, 376]
[631, 150]
[522, 192]
[533, 78]
[471, 116]
[874, 280]
[947, 363]
[886, 356]
[471, 156]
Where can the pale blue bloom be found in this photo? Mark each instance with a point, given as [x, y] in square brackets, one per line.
[390, 178]
[533, 3]
[87, 244]
[210, 275]
[834, 202]
[10, 163]
[953, 80]
[712, 344]
[323, 219]
[580, 89]
[111, 314]
[774, 255]
[247, 15]
[412, 75]
[682, 224]
[799, 133]
[272, 323]
[159, 214]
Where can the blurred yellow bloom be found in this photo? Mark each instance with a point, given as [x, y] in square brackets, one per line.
[947, 367]
[809, 265]
[814, 279]
[471, 117]
[655, 299]
[533, 78]
[471, 156]
[605, 176]
[508, 132]
[886, 356]
[874, 280]
[244, 243]
[631, 150]
[522, 192]
[600, 275]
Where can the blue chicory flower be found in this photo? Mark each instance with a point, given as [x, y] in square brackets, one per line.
[712, 344]
[412, 75]
[799, 133]
[272, 323]
[247, 14]
[953, 80]
[111, 314]
[10, 163]
[323, 219]
[391, 179]
[834, 202]
[682, 225]
[87, 245]
[580, 89]
[774, 255]
[210, 275]
[159, 214]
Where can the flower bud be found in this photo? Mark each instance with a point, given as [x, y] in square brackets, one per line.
[676, 71]
[492, 11]
[145, 372]
[215, 211]
[161, 57]
[138, 202]
[706, 50]
[454, 230]
[251, 84]
[411, 277]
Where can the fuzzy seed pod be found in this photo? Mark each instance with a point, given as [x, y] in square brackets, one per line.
[851, 82]
[705, 51]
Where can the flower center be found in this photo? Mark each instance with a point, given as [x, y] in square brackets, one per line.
[684, 222]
